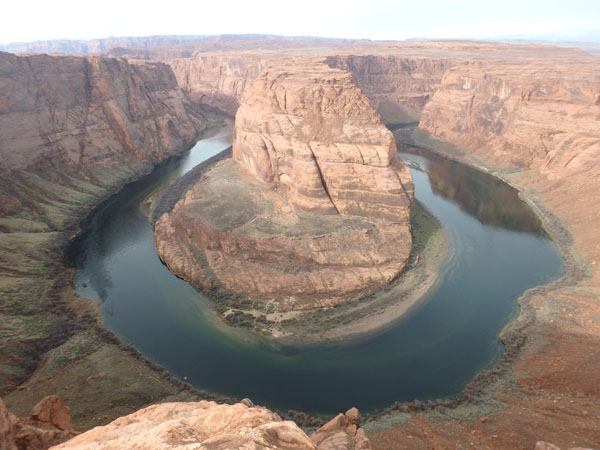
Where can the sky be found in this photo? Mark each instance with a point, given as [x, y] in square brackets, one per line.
[370, 19]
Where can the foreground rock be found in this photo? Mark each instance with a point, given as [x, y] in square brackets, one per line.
[314, 209]
[49, 424]
[7, 432]
[207, 425]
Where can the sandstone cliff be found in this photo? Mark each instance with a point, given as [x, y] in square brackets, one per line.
[217, 79]
[72, 129]
[73, 113]
[398, 87]
[314, 209]
[313, 132]
[521, 114]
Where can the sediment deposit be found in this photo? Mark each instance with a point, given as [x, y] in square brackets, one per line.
[313, 210]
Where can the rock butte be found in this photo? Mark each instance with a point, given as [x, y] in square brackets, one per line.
[314, 208]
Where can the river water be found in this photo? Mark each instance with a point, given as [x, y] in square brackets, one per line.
[497, 250]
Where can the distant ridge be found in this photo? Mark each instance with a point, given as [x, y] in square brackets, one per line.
[189, 43]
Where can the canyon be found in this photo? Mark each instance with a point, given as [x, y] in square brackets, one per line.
[314, 207]
[526, 113]
[73, 130]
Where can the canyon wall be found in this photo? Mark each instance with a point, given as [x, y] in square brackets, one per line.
[397, 86]
[217, 79]
[517, 115]
[72, 130]
[533, 119]
[88, 118]
[313, 210]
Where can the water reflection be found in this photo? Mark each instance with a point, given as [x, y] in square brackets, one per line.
[485, 197]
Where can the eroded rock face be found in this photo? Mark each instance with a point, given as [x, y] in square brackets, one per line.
[315, 208]
[217, 79]
[202, 425]
[51, 410]
[518, 115]
[84, 117]
[72, 129]
[398, 87]
[314, 133]
[78, 111]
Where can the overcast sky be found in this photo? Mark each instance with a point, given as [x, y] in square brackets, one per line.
[372, 19]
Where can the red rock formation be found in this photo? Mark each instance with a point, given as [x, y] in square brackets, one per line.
[316, 211]
[312, 131]
[519, 114]
[51, 410]
[49, 424]
[343, 431]
[217, 79]
[398, 87]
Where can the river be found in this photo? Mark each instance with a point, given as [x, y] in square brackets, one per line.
[497, 250]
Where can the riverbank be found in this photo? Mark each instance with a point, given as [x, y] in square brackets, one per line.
[494, 235]
[548, 373]
[371, 314]
[54, 341]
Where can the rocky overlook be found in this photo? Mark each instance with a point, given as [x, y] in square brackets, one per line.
[314, 208]
[207, 425]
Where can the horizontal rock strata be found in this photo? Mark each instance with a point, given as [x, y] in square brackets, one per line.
[314, 209]
[72, 129]
[515, 115]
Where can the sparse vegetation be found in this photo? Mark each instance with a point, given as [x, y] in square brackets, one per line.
[179, 187]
